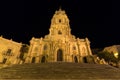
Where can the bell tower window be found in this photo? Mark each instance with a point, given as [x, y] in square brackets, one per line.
[59, 32]
[59, 20]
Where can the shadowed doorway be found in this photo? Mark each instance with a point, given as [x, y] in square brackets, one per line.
[59, 55]
[33, 60]
[84, 59]
[75, 59]
[43, 59]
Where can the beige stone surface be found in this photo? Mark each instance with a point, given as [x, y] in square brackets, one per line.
[9, 51]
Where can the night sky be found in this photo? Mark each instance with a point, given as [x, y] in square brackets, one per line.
[98, 20]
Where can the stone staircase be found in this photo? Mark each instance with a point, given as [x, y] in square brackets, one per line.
[59, 70]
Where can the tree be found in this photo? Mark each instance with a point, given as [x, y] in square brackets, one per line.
[109, 57]
[119, 57]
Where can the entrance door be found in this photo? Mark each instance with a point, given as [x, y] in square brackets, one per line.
[59, 55]
[33, 60]
[43, 59]
[75, 59]
[85, 59]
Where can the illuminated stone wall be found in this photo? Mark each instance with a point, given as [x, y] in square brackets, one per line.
[9, 51]
[59, 44]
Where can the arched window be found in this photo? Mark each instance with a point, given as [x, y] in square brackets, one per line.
[9, 51]
[59, 20]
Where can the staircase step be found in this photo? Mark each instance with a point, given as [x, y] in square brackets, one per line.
[60, 70]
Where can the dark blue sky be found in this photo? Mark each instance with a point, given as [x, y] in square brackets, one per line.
[97, 20]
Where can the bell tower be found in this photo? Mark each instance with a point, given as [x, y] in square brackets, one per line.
[60, 24]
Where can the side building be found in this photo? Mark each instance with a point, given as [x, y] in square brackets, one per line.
[59, 44]
[9, 51]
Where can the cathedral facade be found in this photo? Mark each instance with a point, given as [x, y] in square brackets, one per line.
[59, 45]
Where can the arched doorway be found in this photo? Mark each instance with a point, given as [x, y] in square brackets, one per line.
[43, 59]
[84, 59]
[4, 60]
[59, 55]
[33, 60]
[75, 59]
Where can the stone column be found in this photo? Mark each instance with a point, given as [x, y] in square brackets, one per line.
[37, 60]
[80, 59]
[88, 46]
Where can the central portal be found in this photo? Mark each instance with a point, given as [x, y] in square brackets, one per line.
[59, 55]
